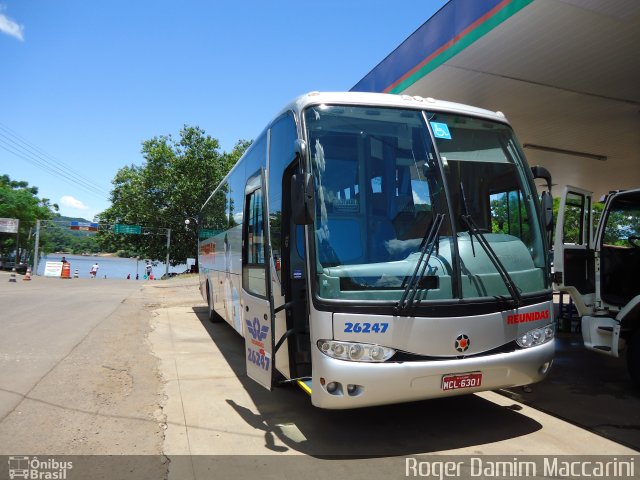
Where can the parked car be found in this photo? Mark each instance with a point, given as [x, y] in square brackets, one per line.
[6, 264]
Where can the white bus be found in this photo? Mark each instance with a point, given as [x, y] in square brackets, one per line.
[379, 248]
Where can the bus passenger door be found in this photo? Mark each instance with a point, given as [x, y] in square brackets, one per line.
[573, 254]
[256, 296]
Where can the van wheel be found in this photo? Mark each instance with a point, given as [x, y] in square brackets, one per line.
[633, 358]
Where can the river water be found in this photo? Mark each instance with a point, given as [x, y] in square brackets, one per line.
[109, 267]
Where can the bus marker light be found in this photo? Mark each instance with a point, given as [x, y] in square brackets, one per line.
[545, 368]
[537, 336]
[377, 353]
[354, 390]
[354, 351]
[334, 388]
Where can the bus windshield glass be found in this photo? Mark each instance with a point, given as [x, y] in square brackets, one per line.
[381, 186]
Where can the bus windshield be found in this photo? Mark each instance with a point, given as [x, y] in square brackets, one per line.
[381, 184]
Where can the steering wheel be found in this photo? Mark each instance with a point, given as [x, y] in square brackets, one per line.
[632, 240]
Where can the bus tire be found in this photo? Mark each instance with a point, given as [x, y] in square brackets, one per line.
[211, 313]
[633, 358]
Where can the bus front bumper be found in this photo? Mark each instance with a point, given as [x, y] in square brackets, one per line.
[341, 384]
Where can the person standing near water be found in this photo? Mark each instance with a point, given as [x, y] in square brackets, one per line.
[94, 270]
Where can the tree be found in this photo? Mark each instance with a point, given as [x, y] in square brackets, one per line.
[60, 238]
[571, 232]
[172, 184]
[19, 200]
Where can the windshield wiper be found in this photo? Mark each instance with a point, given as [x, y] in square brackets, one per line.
[504, 274]
[429, 242]
[482, 240]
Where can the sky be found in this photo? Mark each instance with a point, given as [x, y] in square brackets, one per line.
[83, 84]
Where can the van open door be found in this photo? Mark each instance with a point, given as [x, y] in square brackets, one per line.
[575, 269]
[256, 295]
[573, 252]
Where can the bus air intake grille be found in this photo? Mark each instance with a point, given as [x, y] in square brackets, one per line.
[400, 357]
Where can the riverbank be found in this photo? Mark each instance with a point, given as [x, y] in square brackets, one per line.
[111, 267]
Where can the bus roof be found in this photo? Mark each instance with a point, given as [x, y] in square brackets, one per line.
[388, 100]
[375, 100]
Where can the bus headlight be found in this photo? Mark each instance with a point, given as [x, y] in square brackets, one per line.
[535, 337]
[357, 352]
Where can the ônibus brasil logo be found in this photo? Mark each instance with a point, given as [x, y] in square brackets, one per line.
[462, 343]
[257, 332]
[26, 467]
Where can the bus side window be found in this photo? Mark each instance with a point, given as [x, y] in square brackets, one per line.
[509, 214]
[253, 264]
[281, 155]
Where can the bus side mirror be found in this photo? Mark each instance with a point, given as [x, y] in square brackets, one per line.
[541, 172]
[547, 210]
[546, 201]
[302, 201]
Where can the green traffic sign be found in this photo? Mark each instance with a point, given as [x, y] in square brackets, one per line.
[206, 233]
[131, 229]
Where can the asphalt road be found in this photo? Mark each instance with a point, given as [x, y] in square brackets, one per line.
[75, 374]
[122, 367]
[42, 322]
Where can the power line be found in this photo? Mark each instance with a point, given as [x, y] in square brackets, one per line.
[51, 170]
[20, 147]
[39, 158]
[47, 158]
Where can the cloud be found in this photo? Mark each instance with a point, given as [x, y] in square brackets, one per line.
[10, 27]
[71, 202]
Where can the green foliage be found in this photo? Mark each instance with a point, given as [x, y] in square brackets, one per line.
[622, 222]
[509, 215]
[126, 253]
[19, 200]
[172, 184]
[572, 219]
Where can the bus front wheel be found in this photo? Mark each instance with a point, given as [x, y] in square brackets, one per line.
[212, 315]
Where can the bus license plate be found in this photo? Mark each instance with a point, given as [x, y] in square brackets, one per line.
[462, 380]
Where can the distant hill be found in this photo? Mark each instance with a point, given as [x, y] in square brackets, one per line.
[76, 233]
[58, 237]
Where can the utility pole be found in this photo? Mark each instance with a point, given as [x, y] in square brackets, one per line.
[35, 251]
[166, 272]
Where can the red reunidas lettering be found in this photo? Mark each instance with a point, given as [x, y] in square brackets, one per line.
[527, 317]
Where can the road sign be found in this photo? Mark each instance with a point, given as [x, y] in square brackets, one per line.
[206, 233]
[9, 225]
[84, 226]
[130, 229]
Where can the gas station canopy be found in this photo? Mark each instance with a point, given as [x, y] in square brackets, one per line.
[566, 73]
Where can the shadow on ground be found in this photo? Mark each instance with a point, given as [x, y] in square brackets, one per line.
[418, 427]
[590, 390]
